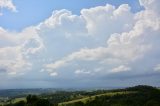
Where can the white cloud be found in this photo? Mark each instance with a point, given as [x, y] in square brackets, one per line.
[53, 74]
[103, 40]
[83, 54]
[120, 68]
[7, 4]
[56, 65]
[82, 71]
[12, 60]
[157, 67]
[15, 47]
[12, 73]
[106, 18]
[130, 37]
[151, 5]
[62, 21]
[65, 21]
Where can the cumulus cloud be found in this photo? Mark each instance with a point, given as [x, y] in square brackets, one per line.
[7, 4]
[12, 60]
[55, 28]
[101, 41]
[151, 5]
[15, 47]
[101, 20]
[132, 38]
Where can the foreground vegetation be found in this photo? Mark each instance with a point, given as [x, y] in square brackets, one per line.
[133, 96]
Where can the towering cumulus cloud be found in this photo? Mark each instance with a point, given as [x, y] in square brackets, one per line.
[102, 44]
[129, 39]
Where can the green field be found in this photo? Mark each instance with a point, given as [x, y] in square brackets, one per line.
[91, 98]
[13, 101]
[18, 99]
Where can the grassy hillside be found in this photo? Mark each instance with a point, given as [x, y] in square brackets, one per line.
[92, 98]
[134, 96]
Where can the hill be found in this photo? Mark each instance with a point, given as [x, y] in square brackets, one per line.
[133, 96]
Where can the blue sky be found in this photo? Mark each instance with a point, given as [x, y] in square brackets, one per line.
[85, 43]
[31, 12]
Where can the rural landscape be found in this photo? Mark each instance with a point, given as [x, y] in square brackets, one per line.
[133, 96]
[79, 52]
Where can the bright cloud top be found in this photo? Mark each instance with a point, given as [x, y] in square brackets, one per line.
[100, 42]
[130, 37]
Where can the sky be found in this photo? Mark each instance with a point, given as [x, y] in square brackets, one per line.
[79, 44]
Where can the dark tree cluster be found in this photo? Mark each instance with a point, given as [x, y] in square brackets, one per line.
[32, 100]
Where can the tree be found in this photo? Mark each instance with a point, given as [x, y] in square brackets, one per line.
[43, 102]
[20, 103]
[31, 100]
